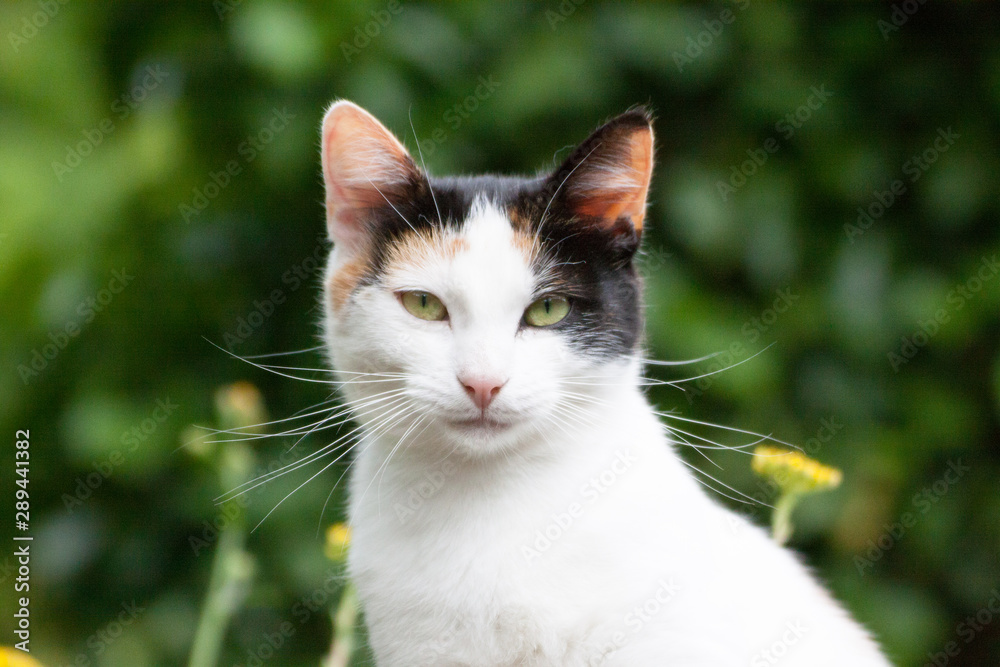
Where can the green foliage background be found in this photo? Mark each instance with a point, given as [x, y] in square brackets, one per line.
[715, 267]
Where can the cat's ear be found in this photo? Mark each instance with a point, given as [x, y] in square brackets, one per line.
[606, 179]
[364, 167]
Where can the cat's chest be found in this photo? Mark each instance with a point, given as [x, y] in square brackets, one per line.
[458, 557]
[482, 615]
[470, 587]
[457, 539]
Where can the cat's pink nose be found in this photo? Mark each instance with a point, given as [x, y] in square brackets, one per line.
[482, 390]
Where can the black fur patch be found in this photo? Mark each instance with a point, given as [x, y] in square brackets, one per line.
[595, 267]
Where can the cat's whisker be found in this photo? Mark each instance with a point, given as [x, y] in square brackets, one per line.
[382, 378]
[582, 402]
[374, 435]
[380, 374]
[264, 367]
[733, 448]
[351, 410]
[385, 467]
[553, 419]
[385, 377]
[578, 418]
[348, 468]
[594, 400]
[249, 430]
[393, 206]
[698, 450]
[209, 432]
[295, 465]
[749, 500]
[423, 166]
[541, 220]
[587, 416]
[641, 382]
[331, 371]
[350, 464]
[720, 370]
[683, 362]
[291, 493]
[671, 415]
[331, 398]
[285, 354]
[556, 415]
[250, 435]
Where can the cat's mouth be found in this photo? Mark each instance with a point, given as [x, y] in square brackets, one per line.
[481, 423]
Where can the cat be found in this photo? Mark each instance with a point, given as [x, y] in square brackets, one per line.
[514, 498]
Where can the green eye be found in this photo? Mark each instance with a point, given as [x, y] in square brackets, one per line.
[546, 311]
[423, 305]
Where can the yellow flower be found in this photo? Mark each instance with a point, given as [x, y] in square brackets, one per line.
[338, 539]
[794, 472]
[240, 405]
[795, 475]
[10, 657]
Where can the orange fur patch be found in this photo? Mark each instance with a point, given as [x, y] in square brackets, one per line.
[524, 239]
[527, 244]
[418, 247]
[624, 183]
[342, 283]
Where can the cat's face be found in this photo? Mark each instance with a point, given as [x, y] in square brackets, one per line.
[476, 312]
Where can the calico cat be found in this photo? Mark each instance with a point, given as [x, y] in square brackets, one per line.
[515, 499]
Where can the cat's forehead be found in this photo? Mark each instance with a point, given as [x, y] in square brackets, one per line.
[488, 245]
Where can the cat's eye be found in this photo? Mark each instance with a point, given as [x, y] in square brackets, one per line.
[424, 305]
[546, 311]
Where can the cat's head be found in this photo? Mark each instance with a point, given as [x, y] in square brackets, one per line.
[481, 311]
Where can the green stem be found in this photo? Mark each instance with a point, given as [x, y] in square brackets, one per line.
[781, 519]
[344, 625]
[232, 567]
[231, 570]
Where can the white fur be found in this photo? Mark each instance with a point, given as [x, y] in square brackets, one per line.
[446, 553]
